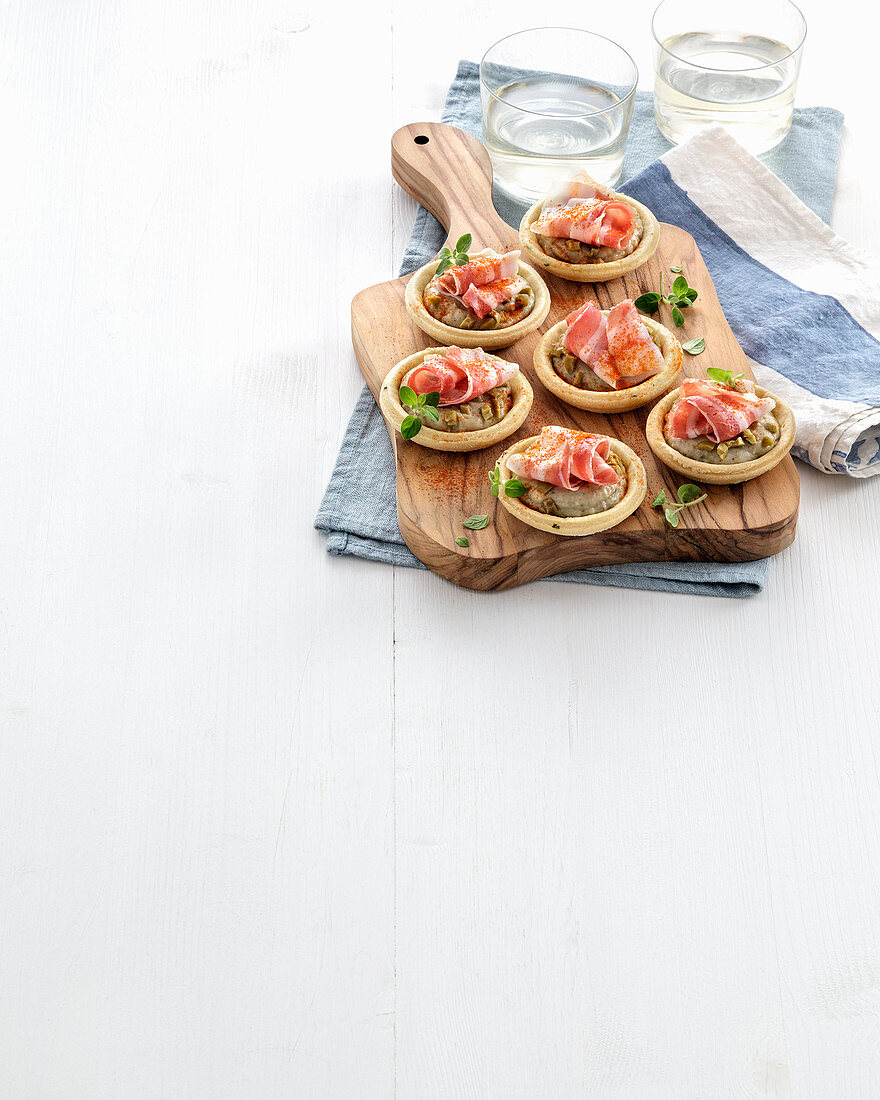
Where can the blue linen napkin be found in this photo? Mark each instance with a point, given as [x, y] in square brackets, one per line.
[358, 511]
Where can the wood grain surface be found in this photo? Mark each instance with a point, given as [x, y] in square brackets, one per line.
[449, 172]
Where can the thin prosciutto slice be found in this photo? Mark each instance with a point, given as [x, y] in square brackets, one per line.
[459, 374]
[636, 356]
[480, 271]
[566, 458]
[580, 186]
[483, 299]
[716, 410]
[587, 338]
[602, 223]
[619, 348]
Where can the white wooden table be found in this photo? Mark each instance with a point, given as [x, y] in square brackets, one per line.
[278, 825]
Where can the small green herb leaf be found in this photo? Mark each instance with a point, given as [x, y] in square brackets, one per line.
[648, 303]
[462, 541]
[494, 481]
[689, 493]
[421, 404]
[680, 297]
[680, 286]
[454, 257]
[676, 270]
[725, 377]
[513, 487]
[476, 523]
[694, 347]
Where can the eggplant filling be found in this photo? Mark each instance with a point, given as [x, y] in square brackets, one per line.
[589, 499]
[574, 371]
[484, 411]
[449, 311]
[577, 252]
[752, 443]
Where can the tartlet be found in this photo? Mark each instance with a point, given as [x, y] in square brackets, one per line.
[477, 338]
[610, 401]
[715, 473]
[633, 495]
[592, 272]
[394, 412]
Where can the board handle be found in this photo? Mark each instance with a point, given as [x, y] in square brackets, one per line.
[449, 172]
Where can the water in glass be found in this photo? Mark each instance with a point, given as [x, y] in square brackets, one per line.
[747, 83]
[540, 129]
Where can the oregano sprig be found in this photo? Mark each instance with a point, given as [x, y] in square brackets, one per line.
[725, 377]
[513, 487]
[681, 297]
[420, 405]
[457, 256]
[688, 495]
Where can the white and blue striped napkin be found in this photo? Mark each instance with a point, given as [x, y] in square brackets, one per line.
[803, 304]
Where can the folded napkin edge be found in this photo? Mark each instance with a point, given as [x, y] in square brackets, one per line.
[709, 137]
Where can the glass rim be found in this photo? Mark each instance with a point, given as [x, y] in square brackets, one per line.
[746, 68]
[577, 30]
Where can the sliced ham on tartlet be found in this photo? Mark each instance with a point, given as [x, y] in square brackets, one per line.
[608, 360]
[488, 302]
[588, 233]
[580, 187]
[721, 432]
[570, 482]
[464, 398]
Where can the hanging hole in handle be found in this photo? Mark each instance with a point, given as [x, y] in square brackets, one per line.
[421, 140]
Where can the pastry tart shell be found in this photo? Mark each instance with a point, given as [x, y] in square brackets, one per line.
[488, 339]
[591, 273]
[712, 473]
[610, 401]
[395, 413]
[636, 487]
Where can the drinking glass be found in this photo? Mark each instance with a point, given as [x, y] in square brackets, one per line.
[555, 100]
[736, 64]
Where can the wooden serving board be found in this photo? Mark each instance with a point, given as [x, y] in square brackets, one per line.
[448, 171]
